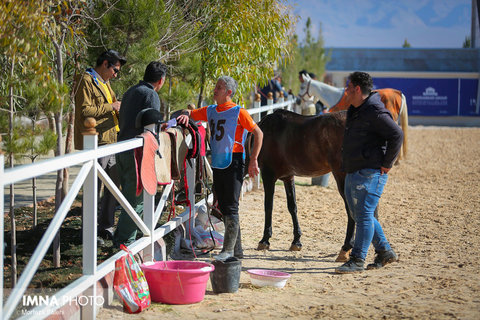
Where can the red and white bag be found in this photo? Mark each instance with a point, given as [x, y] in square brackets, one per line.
[130, 284]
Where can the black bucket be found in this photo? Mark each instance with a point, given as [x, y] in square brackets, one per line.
[226, 276]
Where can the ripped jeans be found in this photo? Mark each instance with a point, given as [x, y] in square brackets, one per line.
[363, 189]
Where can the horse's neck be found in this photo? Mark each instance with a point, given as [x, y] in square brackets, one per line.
[329, 95]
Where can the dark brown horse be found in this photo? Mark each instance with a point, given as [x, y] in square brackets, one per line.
[296, 145]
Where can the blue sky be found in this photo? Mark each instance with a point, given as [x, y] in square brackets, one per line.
[386, 23]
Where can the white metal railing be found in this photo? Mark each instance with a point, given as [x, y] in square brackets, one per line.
[87, 178]
[287, 103]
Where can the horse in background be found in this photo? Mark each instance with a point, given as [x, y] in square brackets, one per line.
[334, 98]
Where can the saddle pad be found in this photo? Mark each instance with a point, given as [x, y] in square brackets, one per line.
[147, 169]
[163, 162]
[179, 151]
[138, 164]
[203, 134]
[392, 99]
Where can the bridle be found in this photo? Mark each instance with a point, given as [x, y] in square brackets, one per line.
[306, 91]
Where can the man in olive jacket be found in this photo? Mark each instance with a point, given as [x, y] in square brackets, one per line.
[95, 98]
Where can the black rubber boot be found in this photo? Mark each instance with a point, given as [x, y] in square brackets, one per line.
[230, 237]
[238, 250]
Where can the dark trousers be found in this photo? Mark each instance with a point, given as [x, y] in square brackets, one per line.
[108, 203]
[227, 185]
[126, 230]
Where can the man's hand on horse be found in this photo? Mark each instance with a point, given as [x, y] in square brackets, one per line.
[384, 170]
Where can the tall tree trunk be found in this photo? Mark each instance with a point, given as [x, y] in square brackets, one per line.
[34, 184]
[68, 149]
[35, 207]
[51, 122]
[58, 150]
[71, 121]
[168, 107]
[58, 188]
[202, 86]
[13, 235]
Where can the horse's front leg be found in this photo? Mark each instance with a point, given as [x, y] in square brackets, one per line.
[269, 190]
[344, 254]
[289, 184]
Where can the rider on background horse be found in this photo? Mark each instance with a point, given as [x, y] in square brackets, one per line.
[371, 144]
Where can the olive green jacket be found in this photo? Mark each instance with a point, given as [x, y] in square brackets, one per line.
[91, 101]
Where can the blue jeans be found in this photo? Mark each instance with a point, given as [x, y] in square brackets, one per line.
[363, 189]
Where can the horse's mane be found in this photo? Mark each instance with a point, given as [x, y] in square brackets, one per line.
[285, 115]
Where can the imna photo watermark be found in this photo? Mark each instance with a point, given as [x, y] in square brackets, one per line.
[30, 302]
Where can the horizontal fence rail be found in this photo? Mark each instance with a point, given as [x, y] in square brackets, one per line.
[87, 179]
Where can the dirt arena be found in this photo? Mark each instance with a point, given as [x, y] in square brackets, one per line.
[430, 212]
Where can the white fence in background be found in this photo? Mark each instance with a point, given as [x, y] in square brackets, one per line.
[87, 179]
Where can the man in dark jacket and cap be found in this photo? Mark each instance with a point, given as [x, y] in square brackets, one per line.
[371, 143]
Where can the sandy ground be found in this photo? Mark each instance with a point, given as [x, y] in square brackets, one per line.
[430, 212]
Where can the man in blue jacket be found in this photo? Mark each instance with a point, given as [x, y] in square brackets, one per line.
[371, 143]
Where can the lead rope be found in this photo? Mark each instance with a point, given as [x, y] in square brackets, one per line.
[211, 207]
[208, 192]
[187, 201]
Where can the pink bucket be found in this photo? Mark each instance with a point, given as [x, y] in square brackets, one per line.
[177, 282]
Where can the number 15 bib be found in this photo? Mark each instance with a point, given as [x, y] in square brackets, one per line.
[222, 126]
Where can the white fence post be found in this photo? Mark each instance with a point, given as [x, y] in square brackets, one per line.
[89, 228]
[270, 102]
[281, 98]
[256, 104]
[292, 104]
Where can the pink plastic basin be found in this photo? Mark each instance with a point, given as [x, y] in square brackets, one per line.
[269, 278]
[177, 282]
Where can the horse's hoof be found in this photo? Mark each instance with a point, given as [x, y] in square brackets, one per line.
[263, 246]
[295, 247]
[343, 256]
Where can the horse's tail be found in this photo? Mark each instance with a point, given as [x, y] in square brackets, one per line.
[403, 117]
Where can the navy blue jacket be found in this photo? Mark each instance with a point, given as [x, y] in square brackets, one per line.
[372, 139]
[272, 86]
[140, 96]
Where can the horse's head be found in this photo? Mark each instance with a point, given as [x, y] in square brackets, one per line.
[316, 90]
[304, 93]
[306, 99]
